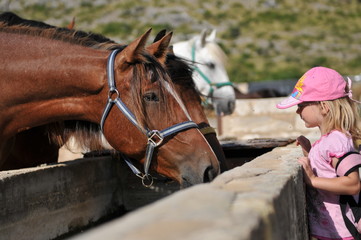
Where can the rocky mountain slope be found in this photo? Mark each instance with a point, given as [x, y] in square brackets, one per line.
[264, 39]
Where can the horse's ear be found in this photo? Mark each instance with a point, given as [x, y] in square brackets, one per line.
[212, 36]
[160, 35]
[133, 52]
[71, 24]
[160, 48]
[203, 37]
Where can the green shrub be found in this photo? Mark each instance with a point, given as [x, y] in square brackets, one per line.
[115, 28]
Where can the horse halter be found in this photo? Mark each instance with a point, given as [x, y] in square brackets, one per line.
[155, 137]
[204, 76]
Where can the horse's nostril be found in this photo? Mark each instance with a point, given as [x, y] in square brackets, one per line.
[231, 106]
[209, 174]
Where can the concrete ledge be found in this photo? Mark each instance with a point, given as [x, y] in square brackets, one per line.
[263, 199]
[50, 201]
[46, 202]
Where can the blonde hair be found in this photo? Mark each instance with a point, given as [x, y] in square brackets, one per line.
[344, 115]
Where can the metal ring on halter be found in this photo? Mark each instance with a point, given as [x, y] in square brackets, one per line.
[149, 178]
[159, 138]
[111, 93]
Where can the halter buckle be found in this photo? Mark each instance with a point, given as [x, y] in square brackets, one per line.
[155, 137]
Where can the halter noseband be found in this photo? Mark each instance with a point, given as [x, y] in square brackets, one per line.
[204, 76]
[155, 137]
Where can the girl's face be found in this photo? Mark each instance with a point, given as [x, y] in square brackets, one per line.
[311, 113]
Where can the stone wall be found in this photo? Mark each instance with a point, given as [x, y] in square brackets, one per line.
[46, 202]
[263, 199]
[259, 118]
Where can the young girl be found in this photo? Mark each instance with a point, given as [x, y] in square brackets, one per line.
[325, 101]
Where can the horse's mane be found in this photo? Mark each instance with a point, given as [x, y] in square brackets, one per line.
[60, 132]
[12, 23]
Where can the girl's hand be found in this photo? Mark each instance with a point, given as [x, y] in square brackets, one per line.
[305, 144]
[309, 175]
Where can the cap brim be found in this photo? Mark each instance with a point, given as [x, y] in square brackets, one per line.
[288, 102]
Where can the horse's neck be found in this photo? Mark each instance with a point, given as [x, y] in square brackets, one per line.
[47, 81]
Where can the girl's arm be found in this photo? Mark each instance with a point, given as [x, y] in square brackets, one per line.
[345, 185]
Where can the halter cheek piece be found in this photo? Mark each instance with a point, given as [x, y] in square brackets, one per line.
[205, 78]
[155, 137]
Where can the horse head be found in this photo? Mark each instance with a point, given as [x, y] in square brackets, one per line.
[158, 121]
[210, 75]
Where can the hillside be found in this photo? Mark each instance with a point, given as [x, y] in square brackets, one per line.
[269, 39]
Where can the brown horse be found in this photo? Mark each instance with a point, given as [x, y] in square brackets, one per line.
[25, 154]
[40, 80]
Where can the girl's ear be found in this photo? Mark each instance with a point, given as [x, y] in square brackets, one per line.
[324, 108]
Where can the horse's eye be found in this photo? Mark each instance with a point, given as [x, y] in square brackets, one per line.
[210, 65]
[151, 97]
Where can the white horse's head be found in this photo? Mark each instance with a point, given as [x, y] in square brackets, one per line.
[209, 74]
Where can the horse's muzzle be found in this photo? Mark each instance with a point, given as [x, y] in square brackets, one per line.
[209, 174]
[224, 106]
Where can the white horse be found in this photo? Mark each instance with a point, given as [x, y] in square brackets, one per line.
[209, 73]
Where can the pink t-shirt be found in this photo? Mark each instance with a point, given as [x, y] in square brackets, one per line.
[324, 213]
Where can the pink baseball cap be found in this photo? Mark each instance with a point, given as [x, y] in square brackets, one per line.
[317, 84]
